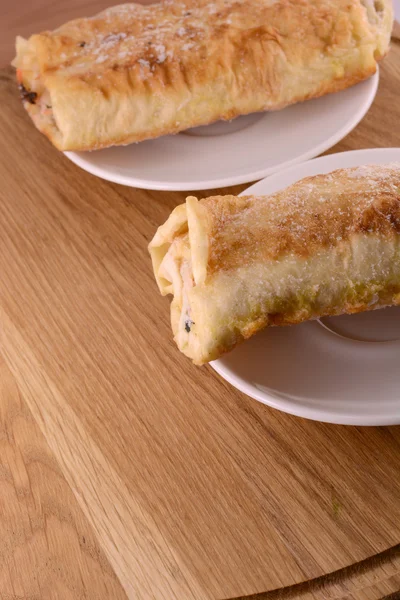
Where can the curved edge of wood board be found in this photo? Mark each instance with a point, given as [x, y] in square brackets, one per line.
[376, 577]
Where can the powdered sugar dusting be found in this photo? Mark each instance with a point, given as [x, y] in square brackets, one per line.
[160, 52]
[148, 36]
[358, 172]
[316, 213]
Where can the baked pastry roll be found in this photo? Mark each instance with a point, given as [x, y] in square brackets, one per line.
[326, 245]
[135, 72]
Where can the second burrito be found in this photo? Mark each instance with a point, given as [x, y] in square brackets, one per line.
[326, 245]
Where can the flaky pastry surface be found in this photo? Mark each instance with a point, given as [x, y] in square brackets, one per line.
[327, 245]
[136, 72]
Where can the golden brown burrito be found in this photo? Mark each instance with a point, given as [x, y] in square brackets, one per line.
[326, 245]
[135, 72]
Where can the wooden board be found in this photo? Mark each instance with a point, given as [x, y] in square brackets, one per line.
[48, 549]
[191, 489]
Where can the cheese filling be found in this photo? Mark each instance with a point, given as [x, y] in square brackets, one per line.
[176, 267]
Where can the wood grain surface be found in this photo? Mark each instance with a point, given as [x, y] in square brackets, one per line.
[180, 486]
[48, 549]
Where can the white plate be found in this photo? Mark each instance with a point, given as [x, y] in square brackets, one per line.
[341, 370]
[244, 150]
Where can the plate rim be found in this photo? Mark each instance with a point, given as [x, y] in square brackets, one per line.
[286, 404]
[240, 179]
[308, 413]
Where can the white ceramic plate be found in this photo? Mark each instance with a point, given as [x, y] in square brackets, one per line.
[244, 150]
[340, 370]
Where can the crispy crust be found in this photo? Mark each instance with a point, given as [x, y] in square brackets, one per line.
[134, 72]
[327, 245]
[308, 216]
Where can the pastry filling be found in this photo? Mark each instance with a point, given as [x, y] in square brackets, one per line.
[34, 94]
[176, 268]
[27, 96]
[186, 321]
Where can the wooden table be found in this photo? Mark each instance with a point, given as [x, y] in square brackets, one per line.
[125, 470]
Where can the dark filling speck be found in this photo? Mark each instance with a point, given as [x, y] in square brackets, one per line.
[82, 44]
[27, 96]
[188, 325]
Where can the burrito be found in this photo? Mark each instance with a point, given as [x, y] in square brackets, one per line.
[136, 72]
[327, 245]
